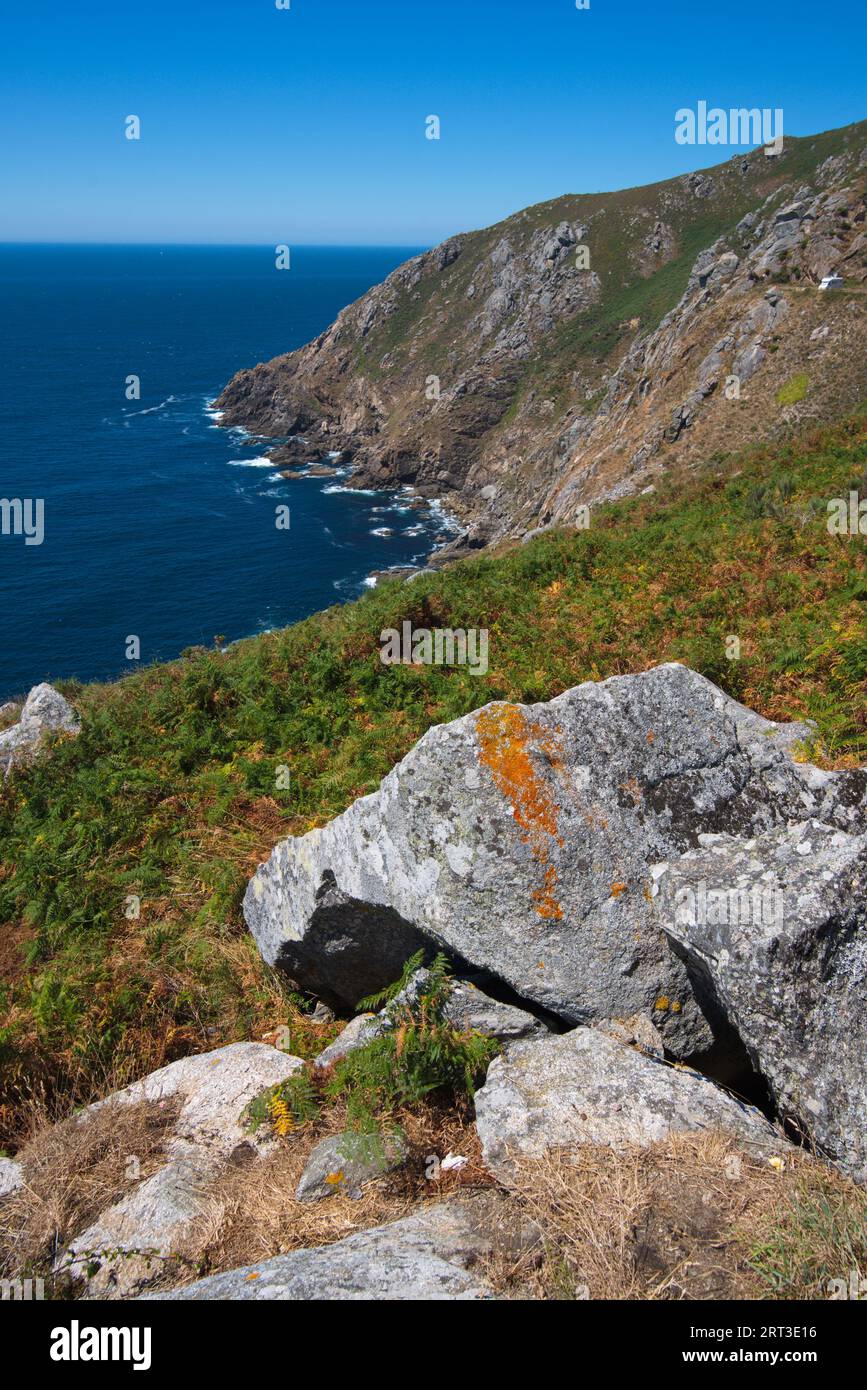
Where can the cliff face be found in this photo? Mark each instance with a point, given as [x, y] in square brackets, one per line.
[572, 352]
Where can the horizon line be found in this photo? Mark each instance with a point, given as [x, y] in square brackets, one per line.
[237, 245]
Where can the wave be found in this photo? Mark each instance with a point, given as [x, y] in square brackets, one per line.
[359, 491]
[260, 462]
[151, 409]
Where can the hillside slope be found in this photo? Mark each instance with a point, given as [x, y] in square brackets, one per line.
[560, 386]
[170, 794]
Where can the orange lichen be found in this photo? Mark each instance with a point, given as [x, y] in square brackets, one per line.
[546, 903]
[505, 736]
[617, 889]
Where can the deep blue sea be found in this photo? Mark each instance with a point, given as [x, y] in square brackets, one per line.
[158, 523]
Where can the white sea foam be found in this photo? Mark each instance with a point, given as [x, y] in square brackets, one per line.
[260, 462]
[151, 409]
[359, 491]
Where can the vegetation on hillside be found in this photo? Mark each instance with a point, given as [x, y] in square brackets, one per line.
[431, 316]
[125, 853]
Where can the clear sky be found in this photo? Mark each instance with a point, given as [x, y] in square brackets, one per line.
[307, 125]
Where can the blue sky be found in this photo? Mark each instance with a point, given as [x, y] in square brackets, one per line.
[307, 125]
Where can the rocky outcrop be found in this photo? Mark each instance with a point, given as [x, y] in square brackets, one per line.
[434, 1254]
[575, 351]
[45, 711]
[128, 1246]
[528, 842]
[585, 1087]
[777, 928]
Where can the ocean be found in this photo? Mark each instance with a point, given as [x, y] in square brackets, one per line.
[158, 524]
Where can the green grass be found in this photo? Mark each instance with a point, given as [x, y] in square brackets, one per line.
[170, 793]
[813, 1242]
[794, 390]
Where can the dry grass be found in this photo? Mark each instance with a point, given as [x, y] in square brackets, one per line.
[692, 1217]
[73, 1171]
[252, 1215]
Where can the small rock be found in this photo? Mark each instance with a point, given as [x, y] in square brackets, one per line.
[360, 1030]
[44, 711]
[342, 1162]
[11, 1177]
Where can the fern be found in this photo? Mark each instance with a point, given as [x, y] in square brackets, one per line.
[373, 1002]
[289, 1105]
[422, 1053]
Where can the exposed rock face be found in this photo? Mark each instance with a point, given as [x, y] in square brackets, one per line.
[44, 711]
[778, 928]
[528, 841]
[213, 1090]
[585, 1087]
[519, 381]
[340, 1163]
[432, 1254]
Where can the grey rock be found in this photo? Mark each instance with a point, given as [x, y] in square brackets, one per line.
[527, 841]
[747, 363]
[778, 929]
[342, 1162]
[211, 1091]
[431, 1255]
[585, 1087]
[470, 1009]
[360, 1030]
[11, 1177]
[44, 711]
